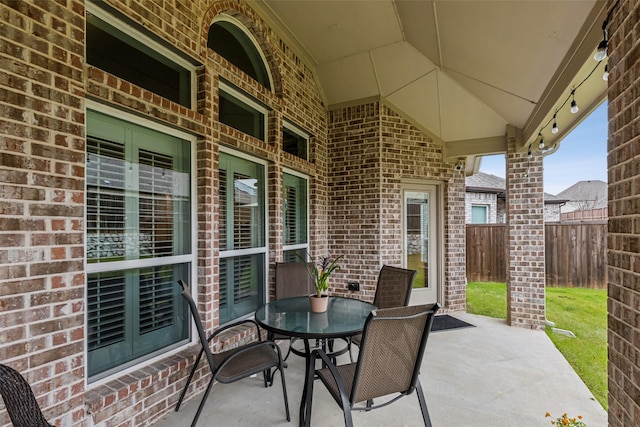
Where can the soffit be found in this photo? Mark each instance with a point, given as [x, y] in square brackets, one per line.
[461, 70]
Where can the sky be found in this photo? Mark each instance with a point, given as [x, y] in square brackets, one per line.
[582, 156]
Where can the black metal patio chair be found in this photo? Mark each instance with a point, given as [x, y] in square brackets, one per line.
[19, 400]
[234, 364]
[292, 280]
[391, 352]
[393, 290]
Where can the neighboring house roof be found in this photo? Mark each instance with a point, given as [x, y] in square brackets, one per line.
[584, 195]
[486, 183]
[550, 199]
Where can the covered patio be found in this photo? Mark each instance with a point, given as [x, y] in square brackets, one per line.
[137, 149]
[487, 375]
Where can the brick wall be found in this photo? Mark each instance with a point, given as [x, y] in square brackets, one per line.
[525, 240]
[624, 215]
[371, 151]
[490, 200]
[455, 268]
[43, 86]
[42, 202]
[359, 156]
[551, 212]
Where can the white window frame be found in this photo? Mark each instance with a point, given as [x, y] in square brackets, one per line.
[172, 56]
[252, 251]
[227, 18]
[246, 99]
[286, 124]
[91, 268]
[436, 238]
[307, 178]
[486, 212]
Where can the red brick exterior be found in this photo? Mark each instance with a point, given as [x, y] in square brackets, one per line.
[624, 215]
[359, 157]
[355, 203]
[42, 150]
[371, 151]
[525, 239]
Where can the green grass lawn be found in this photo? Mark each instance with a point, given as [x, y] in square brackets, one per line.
[582, 311]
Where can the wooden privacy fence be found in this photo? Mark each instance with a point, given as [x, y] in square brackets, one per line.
[575, 254]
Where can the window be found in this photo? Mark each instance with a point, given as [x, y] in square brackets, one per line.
[138, 216]
[123, 51]
[241, 112]
[295, 141]
[242, 233]
[478, 214]
[422, 239]
[294, 215]
[233, 43]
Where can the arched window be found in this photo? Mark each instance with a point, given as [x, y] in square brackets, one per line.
[236, 46]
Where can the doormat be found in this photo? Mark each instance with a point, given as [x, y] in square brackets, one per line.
[444, 322]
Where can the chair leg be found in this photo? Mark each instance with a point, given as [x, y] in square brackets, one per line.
[202, 402]
[423, 405]
[186, 386]
[267, 376]
[348, 421]
[284, 392]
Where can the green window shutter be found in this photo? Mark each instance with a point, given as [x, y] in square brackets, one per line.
[157, 304]
[294, 216]
[105, 309]
[242, 218]
[138, 211]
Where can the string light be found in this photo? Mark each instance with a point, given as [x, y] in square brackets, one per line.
[601, 52]
[574, 104]
[554, 129]
[600, 56]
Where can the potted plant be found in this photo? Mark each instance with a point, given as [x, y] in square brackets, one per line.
[320, 272]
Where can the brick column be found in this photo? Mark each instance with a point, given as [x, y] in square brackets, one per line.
[624, 215]
[525, 239]
[455, 236]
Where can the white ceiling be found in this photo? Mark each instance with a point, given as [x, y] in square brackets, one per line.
[462, 70]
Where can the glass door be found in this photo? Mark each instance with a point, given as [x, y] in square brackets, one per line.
[421, 240]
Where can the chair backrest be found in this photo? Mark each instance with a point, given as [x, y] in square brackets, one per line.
[196, 318]
[391, 352]
[292, 280]
[19, 399]
[394, 287]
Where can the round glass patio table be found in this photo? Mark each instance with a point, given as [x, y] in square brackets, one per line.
[344, 318]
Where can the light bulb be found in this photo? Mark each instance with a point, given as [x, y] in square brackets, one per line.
[601, 53]
[605, 76]
[574, 106]
[554, 129]
[541, 145]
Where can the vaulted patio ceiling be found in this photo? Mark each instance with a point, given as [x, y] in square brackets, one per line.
[463, 71]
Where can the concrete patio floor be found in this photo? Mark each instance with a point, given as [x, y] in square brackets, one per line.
[489, 375]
